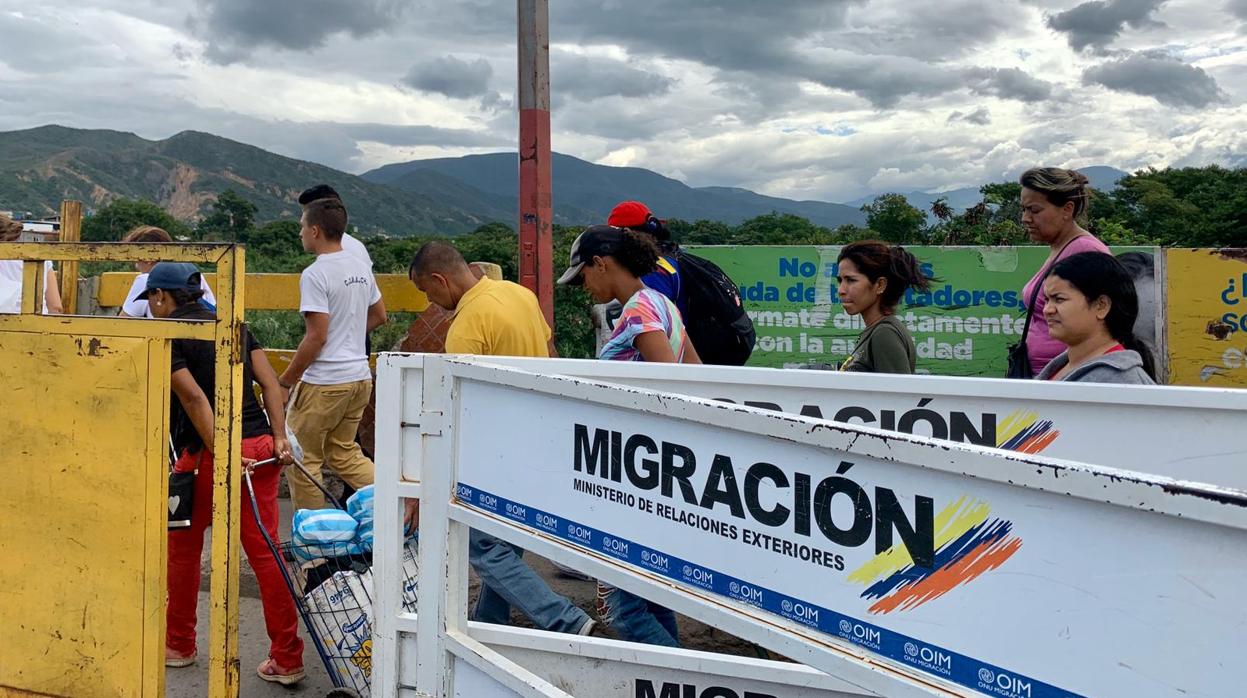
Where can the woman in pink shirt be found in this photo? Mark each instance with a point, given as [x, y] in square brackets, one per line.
[1053, 202]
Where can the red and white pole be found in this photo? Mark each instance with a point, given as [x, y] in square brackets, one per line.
[536, 207]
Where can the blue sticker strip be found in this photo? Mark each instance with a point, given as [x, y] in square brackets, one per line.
[971, 673]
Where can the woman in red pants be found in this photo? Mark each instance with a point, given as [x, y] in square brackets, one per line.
[173, 291]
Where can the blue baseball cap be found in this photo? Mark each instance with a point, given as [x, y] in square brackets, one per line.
[169, 276]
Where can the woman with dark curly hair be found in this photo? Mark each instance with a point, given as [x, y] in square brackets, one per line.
[609, 262]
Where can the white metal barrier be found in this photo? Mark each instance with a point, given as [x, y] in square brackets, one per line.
[900, 565]
[1182, 433]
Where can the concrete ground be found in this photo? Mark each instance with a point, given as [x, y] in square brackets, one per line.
[192, 682]
[253, 642]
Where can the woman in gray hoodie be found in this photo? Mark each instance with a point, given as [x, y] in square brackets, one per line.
[1091, 306]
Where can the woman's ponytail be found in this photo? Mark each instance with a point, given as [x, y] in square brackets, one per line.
[1132, 342]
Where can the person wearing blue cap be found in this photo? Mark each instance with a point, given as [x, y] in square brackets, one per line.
[173, 290]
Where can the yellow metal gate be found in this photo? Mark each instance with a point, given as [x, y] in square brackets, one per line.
[83, 509]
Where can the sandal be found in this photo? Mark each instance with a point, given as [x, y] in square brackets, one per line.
[270, 671]
[178, 661]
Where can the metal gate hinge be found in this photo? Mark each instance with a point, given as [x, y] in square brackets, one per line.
[431, 423]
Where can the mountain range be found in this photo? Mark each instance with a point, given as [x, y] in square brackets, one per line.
[184, 173]
[585, 192]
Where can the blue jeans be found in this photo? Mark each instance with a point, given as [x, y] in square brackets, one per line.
[507, 581]
[635, 619]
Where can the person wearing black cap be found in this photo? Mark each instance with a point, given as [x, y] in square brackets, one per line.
[173, 290]
[609, 263]
[350, 243]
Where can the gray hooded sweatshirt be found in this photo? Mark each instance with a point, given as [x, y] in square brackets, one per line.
[1115, 367]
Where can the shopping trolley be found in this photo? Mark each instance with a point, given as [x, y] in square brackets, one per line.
[332, 590]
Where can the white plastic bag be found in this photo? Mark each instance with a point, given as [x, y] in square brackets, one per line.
[341, 613]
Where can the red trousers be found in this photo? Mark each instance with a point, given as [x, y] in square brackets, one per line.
[186, 548]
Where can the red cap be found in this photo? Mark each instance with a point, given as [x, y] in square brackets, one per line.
[629, 214]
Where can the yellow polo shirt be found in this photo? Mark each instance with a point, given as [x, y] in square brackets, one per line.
[498, 318]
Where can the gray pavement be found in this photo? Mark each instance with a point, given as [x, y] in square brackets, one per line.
[192, 682]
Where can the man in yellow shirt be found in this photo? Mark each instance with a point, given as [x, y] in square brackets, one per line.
[492, 318]
[496, 318]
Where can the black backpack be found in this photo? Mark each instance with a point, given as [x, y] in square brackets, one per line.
[715, 317]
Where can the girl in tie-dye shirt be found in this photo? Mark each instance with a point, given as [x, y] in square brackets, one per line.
[647, 311]
[610, 262]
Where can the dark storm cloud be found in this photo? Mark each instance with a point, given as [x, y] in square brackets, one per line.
[780, 41]
[979, 117]
[1164, 78]
[1008, 83]
[927, 30]
[1099, 22]
[451, 76]
[233, 28]
[726, 33]
[587, 78]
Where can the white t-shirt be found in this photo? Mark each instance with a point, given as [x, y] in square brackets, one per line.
[342, 285]
[11, 285]
[356, 248]
[138, 308]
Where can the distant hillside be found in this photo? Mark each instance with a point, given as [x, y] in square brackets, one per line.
[184, 173]
[584, 192]
[1102, 179]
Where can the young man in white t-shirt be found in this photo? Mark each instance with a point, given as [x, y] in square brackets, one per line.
[340, 303]
[349, 242]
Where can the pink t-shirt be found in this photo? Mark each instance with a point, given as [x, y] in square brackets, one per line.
[1040, 347]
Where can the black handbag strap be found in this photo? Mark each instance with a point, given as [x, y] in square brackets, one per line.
[1030, 307]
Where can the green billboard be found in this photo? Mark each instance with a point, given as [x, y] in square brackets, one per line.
[962, 327]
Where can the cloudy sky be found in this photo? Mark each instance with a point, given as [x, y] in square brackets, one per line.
[811, 99]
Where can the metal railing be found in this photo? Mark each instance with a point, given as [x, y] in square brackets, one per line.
[225, 334]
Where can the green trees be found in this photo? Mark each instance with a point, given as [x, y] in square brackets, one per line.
[114, 220]
[232, 216]
[1188, 207]
[274, 247]
[892, 218]
[992, 221]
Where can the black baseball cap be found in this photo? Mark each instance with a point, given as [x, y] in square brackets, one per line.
[169, 276]
[320, 191]
[595, 241]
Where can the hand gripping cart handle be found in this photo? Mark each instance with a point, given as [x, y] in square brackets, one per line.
[333, 595]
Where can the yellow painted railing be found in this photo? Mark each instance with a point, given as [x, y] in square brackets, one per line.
[274, 291]
[86, 399]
